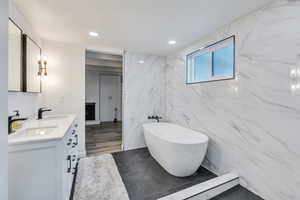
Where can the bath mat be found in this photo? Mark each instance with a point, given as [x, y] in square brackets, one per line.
[98, 178]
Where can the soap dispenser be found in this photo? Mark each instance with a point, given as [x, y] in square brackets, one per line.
[17, 124]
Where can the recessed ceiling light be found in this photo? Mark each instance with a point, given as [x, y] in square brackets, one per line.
[141, 62]
[93, 34]
[172, 42]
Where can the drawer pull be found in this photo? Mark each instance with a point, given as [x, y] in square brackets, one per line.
[76, 143]
[70, 142]
[74, 170]
[70, 164]
[74, 158]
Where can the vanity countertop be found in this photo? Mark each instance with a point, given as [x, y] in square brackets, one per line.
[57, 125]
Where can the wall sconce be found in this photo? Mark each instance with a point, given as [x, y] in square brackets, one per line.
[42, 66]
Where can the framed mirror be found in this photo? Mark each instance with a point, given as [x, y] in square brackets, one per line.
[32, 53]
[14, 57]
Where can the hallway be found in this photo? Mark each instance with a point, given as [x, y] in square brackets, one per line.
[103, 138]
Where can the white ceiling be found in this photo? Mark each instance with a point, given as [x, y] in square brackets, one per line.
[137, 25]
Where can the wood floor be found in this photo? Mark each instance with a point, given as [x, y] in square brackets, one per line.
[104, 138]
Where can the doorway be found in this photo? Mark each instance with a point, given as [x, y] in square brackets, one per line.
[104, 74]
[110, 98]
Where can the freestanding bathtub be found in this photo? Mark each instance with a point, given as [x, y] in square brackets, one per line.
[180, 151]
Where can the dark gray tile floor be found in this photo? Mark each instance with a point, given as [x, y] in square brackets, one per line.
[237, 193]
[145, 179]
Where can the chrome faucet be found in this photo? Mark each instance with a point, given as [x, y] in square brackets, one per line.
[41, 111]
[12, 119]
[157, 118]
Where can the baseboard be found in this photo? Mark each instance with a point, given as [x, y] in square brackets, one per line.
[207, 189]
[134, 148]
[82, 154]
[93, 122]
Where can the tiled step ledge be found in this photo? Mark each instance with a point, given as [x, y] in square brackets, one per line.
[207, 189]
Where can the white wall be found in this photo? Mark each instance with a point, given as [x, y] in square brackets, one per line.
[252, 122]
[3, 98]
[110, 97]
[64, 91]
[23, 22]
[92, 89]
[27, 103]
[143, 95]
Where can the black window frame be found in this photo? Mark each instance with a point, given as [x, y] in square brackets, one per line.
[206, 47]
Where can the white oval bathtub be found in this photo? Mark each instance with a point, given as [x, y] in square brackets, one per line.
[180, 151]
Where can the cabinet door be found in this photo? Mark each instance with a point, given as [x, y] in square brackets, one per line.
[32, 172]
[14, 57]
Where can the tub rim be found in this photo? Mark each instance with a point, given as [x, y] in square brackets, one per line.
[203, 141]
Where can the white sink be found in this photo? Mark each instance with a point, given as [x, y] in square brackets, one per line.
[31, 132]
[54, 117]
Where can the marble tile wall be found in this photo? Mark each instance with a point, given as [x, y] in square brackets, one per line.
[254, 121]
[144, 89]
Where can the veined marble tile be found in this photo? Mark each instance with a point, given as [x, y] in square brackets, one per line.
[253, 122]
[144, 95]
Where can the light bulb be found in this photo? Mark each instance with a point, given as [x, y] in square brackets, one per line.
[294, 72]
[93, 34]
[172, 42]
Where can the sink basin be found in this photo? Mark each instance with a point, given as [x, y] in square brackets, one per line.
[31, 132]
[39, 131]
[55, 117]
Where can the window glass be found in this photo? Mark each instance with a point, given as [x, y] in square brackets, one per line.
[215, 62]
[223, 61]
[202, 67]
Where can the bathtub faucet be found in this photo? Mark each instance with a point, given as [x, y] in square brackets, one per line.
[157, 118]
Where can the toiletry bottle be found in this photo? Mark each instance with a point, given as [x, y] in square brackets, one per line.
[17, 124]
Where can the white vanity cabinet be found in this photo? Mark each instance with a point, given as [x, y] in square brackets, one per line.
[43, 170]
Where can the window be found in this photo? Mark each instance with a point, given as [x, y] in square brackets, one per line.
[212, 63]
